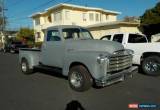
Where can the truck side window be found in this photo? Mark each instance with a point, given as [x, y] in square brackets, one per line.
[135, 38]
[53, 35]
[118, 38]
[107, 37]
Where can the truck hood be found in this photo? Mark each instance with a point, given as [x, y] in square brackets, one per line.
[144, 47]
[93, 45]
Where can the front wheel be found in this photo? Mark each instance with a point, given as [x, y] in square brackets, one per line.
[25, 67]
[151, 65]
[79, 78]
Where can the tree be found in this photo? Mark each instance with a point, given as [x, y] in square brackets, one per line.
[26, 35]
[151, 16]
[150, 21]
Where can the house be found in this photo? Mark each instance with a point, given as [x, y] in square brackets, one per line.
[98, 20]
[101, 29]
[68, 14]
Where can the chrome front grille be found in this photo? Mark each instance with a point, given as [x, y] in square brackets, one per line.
[118, 63]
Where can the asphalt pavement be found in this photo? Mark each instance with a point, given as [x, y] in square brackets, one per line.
[49, 91]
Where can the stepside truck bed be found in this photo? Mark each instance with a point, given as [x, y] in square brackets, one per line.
[32, 56]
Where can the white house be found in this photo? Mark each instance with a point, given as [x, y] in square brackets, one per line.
[98, 20]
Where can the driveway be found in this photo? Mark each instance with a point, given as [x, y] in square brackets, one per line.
[48, 91]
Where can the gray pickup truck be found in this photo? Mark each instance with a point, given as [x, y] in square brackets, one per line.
[82, 59]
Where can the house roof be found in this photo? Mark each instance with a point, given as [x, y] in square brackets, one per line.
[114, 23]
[76, 6]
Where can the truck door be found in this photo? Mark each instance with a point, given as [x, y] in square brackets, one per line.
[52, 49]
[136, 42]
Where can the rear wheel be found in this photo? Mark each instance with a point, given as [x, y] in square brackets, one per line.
[79, 78]
[4, 50]
[12, 51]
[151, 65]
[25, 67]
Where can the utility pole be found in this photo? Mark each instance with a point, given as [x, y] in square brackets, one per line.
[3, 16]
[2, 22]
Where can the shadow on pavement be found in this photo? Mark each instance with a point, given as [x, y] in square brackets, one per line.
[74, 105]
[54, 73]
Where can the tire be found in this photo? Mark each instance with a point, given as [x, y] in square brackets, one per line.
[79, 78]
[25, 67]
[151, 65]
[4, 50]
[12, 51]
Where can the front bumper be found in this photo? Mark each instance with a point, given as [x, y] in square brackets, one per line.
[116, 77]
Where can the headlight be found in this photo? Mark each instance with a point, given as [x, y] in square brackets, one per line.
[131, 52]
[102, 59]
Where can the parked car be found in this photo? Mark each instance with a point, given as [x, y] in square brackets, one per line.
[14, 46]
[83, 60]
[146, 54]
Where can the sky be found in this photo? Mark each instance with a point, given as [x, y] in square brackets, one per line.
[18, 11]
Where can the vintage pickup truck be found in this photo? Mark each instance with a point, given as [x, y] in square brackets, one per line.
[83, 60]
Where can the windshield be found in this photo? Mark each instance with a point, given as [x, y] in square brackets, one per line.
[136, 38]
[76, 33]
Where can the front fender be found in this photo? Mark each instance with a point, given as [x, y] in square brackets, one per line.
[87, 58]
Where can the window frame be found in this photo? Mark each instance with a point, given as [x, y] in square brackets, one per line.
[91, 16]
[67, 13]
[37, 21]
[84, 16]
[97, 17]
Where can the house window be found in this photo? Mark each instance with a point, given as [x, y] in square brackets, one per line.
[107, 17]
[49, 18]
[84, 17]
[37, 21]
[97, 17]
[57, 16]
[91, 17]
[38, 35]
[100, 17]
[67, 14]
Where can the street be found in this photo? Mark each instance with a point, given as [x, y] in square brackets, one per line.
[43, 91]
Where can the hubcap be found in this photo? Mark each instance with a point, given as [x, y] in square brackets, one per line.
[24, 67]
[152, 66]
[76, 79]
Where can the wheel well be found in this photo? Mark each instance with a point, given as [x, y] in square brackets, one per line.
[147, 54]
[79, 63]
[23, 58]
